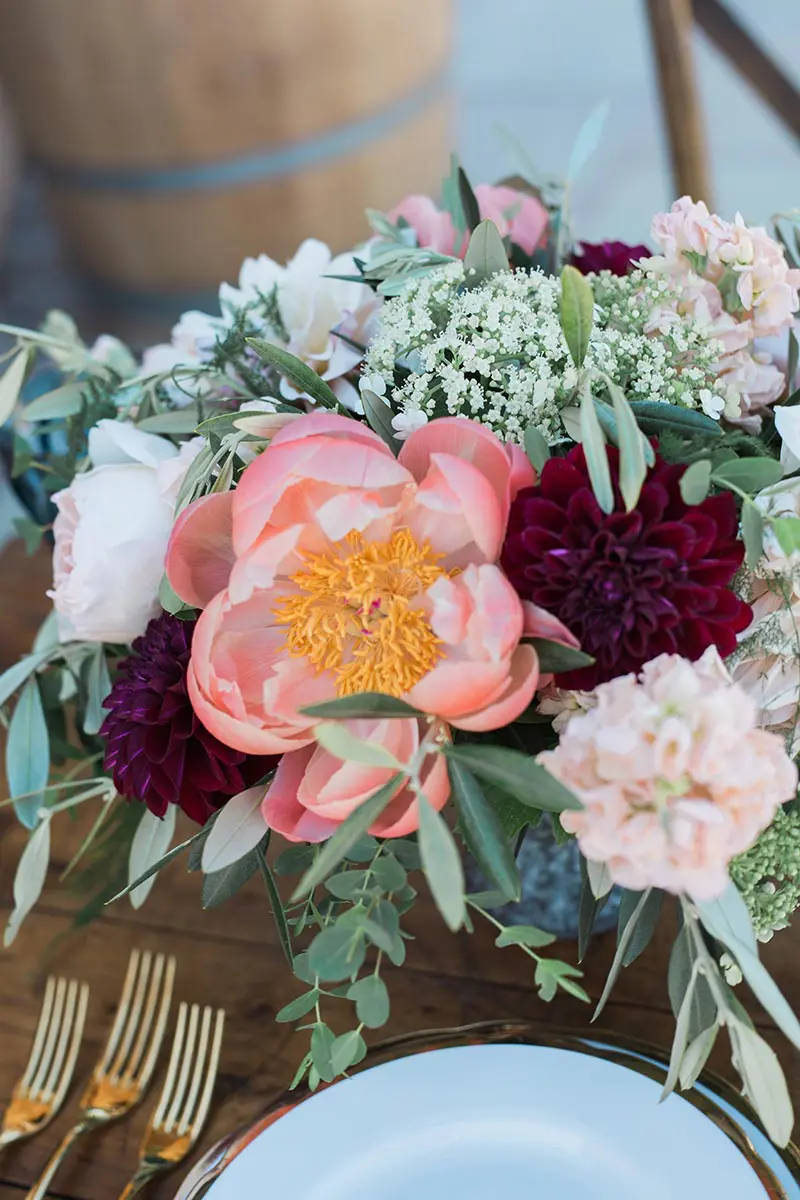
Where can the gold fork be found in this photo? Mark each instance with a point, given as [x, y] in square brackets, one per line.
[126, 1066]
[180, 1114]
[41, 1089]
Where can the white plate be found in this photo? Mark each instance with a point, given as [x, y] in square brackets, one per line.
[490, 1122]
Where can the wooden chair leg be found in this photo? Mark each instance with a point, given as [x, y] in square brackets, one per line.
[671, 26]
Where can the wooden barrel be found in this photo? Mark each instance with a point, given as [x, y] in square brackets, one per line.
[179, 136]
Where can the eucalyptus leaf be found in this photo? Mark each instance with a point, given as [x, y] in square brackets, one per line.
[619, 958]
[195, 840]
[483, 832]
[786, 530]
[594, 447]
[28, 753]
[237, 830]
[655, 416]
[695, 483]
[15, 675]
[486, 255]
[791, 359]
[296, 371]
[764, 1081]
[98, 685]
[696, 1056]
[299, 1007]
[441, 863]
[512, 815]
[11, 384]
[347, 1051]
[681, 964]
[322, 1040]
[588, 140]
[516, 773]
[599, 877]
[341, 743]
[524, 935]
[337, 952]
[379, 418]
[363, 704]
[577, 313]
[348, 833]
[372, 1001]
[632, 443]
[221, 885]
[753, 533]
[555, 657]
[150, 844]
[681, 1037]
[749, 474]
[177, 422]
[536, 448]
[646, 924]
[29, 879]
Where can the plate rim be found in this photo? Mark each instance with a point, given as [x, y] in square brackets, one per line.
[628, 1052]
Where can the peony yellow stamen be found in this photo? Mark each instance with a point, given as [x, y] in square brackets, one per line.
[357, 613]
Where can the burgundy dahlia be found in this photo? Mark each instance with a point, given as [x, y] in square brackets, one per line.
[616, 257]
[157, 750]
[631, 585]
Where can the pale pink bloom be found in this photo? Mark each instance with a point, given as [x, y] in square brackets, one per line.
[767, 663]
[674, 775]
[782, 499]
[111, 533]
[562, 704]
[313, 791]
[517, 215]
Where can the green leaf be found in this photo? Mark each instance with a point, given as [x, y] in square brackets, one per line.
[486, 255]
[594, 447]
[696, 1055]
[341, 743]
[623, 943]
[221, 885]
[322, 1040]
[512, 815]
[299, 1074]
[599, 877]
[646, 923]
[753, 533]
[294, 859]
[337, 952]
[195, 840]
[704, 1008]
[379, 418]
[441, 863]
[764, 1081]
[483, 832]
[296, 371]
[376, 933]
[299, 1007]
[555, 657]
[364, 704]
[30, 533]
[388, 873]
[681, 1037]
[791, 360]
[347, 884]
[28, 754]
[346, 836]
[62, 402]
[577, 313]
[588, 140]
[150, 843]
[29, 879]
[524, 935]
[347, 1050]
[16, 675]
[372, 1001]
[11, 385]
[654, 416]
[632, 464]
[588, 907]
[178, 422]
[536, 448]
[749, 474]
[238, 828]
[695, 482]
[278, 911]
[516, 773]
[98, 684]
[469, 204]
[786, 530]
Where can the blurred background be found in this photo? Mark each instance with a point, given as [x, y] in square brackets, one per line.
[147, 146]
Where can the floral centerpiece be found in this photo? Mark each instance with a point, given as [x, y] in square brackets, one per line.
[408, 546]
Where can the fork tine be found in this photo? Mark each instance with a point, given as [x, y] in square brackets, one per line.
[60, 1087]
[187, 1107]
[172, 1069]
[147, 1020]
[121, 1014]
[157, 1037]
[37, 1082]
[134, 1016]
[41, 1030]
[196, 1123]
[186, 1062]
[63, 1038]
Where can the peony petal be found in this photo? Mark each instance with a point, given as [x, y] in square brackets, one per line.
[402, 815]
[457, 688]
[522, 682]
[522, 473]
[200, 552]
[539, 623]
[465, 440]
[457, 511]
[281, 809]
[240, 735]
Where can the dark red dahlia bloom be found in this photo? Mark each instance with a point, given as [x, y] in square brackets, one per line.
[157, 750]
[616, 257]
[631, 585]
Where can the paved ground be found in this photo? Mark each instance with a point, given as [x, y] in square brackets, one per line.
[535, 68]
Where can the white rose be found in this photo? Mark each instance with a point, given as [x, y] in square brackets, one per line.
[111, 533]
[780, 500]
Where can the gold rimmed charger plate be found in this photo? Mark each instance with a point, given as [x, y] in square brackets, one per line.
[625, 1052]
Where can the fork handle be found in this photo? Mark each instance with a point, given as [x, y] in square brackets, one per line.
[39, 1189]
[139, 1181]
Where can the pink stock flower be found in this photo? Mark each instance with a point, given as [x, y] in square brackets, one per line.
[674, 775]
[517, 215]
[335, 569]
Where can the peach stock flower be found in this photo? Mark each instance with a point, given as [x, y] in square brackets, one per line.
[517, 215]
[335, 569]
[674, 776]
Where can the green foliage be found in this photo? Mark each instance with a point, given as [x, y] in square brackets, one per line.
[768, 874]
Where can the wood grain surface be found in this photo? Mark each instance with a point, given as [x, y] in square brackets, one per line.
[230, 957]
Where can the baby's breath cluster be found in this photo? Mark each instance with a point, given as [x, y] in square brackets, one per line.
[497, 353]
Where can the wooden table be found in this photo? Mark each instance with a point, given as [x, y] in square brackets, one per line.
[229, 957]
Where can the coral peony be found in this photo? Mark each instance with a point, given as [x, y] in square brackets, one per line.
[674, 776]
[629, 585]
[518, 216]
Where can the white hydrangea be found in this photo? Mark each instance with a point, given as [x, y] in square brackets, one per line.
[497, 353]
